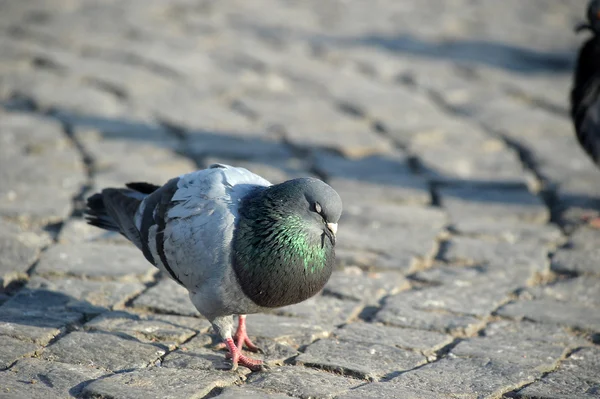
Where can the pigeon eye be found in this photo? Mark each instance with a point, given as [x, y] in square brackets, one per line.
[318, 208]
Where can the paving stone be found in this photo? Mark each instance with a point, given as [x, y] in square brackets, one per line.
[245, 147]
[302, 382]
[198, 354]
[249, 393]
[404, 338]
[12, 349]
[457, 295]
[95, 261]
[484, 161]
[512, 231]
[123, 158]
[576, 261]
[576, 377]
[364, 360]
[405, 189]
[397, 311]
[326, 311]
[353, 178]
[286, 330]
[353, 283]
[510, 340]
[365, 240]
[159, 382]
[378, 390]
[491, 205]
[555, 312]
[76, 231]
[166, 329]
[38, 315]
[325, 128]
[166, 297]
[102, 294]
[105, 350]
[20, 249]
[31, 144]
[472, 251]
[38, 379]
[583, 290]
[473, 371]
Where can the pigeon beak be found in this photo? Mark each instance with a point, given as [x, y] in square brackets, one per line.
[332, 227]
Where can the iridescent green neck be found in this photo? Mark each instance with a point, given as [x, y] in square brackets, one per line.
[279, 258]
[294, 241]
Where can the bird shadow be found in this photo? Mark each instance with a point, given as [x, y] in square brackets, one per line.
[489, 53]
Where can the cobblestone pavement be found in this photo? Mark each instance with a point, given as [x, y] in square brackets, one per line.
[465, 268]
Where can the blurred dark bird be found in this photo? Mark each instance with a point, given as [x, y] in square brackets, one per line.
[237, 243]
[585, 95]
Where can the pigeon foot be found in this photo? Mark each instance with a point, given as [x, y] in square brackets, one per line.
[241, 338]
[238, 358]
[592, 221]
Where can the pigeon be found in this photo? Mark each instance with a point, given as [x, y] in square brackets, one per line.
[585, 95]
[236, 242]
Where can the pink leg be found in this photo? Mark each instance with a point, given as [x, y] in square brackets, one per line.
[592, 221]
[241, 337]
[238, 358]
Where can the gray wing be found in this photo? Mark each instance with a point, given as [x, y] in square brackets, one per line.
[189, 225]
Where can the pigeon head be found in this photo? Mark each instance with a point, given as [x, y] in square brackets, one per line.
[283, 246]
[593, 18]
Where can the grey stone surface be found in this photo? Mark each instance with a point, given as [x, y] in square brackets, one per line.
[159, 382]
[353, 283]
[12, 349]
[167, 329]
[323, 310]
[99, 294]
[581, 262]
[397, 312]
[576, 377]
[390, 237]
[353, 178]
[549, 310]
[95, 261]
[286, 330]
[368, 361]
[473, 370]
[443, 125]
[34, 378]
[166, 297]
[90, 349]
[76, 231]
[20, 249]
[249, 393]
[38, 162]
[492, 205]
[377, 390]
[39, 315]
[405, 338]
[473, 251]
[302, 382]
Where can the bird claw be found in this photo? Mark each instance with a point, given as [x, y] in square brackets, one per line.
[237, 357]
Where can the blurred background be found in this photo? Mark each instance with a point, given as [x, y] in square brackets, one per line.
[443, 124]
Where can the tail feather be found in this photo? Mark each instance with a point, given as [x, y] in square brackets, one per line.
[96, 214]
[114, 209]
[141, 187]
